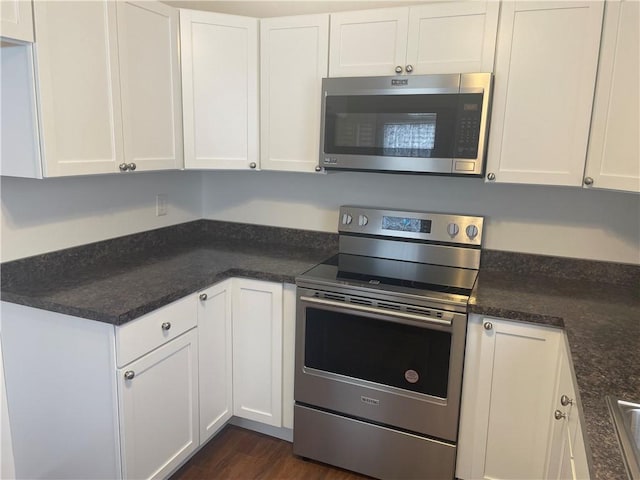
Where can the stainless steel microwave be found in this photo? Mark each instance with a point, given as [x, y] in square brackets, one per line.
[428, 124]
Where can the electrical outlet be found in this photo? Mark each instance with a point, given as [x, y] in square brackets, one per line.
[161, 204]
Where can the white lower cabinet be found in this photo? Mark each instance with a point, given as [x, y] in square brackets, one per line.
[257, 351]
[513, 374]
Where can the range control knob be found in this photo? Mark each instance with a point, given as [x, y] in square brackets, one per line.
[472, 231]
[346, 219]
[363, 220]
[453, 229]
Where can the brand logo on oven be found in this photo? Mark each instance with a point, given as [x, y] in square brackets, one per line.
[399, 81]
[370, 401]
[411, 376]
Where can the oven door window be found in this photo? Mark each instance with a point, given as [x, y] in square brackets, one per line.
[388, 353]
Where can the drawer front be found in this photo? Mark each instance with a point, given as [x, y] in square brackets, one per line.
[148, 332]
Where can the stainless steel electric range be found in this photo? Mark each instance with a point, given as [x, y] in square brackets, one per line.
[380, 336]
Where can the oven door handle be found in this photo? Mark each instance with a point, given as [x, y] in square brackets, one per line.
[446, 319]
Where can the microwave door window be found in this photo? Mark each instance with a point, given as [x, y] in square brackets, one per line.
[391, 125]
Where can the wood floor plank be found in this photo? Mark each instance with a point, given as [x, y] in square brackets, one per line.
[237, 453]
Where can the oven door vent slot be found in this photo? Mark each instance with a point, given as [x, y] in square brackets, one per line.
[390, 306]
[360, 301]
[421, 311]
[334, 296]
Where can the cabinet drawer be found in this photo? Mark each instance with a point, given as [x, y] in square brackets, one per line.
[154, 329]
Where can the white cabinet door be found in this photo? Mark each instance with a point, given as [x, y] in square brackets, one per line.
[16, 20]
[507, 399]
[219, 90]
[614, 152]
[452, 37]
[368, 42]
[79, 89]
[547, 54]
[293, 60]
[257, 351]
[214, 359]
[150, 85]
[158, 397]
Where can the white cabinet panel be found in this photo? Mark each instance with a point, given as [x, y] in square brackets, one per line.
[293, 59]
[614, 151]
[288, 352]
[368, 42]
[150, 85]
[220, 90]
[214, 359]
[159, 409]
[78, 79]
[452, 37]
[16, 20]
[547, 54]
[257, 351]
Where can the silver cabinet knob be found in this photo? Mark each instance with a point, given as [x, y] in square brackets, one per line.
[203, 296]
[253, 165]
[488, 326]
[491, 176]
[132, 166]
[129, 374]
[409, 68]
[558, 415]
[123, 167]
[166, 325]
[398, 69]
[565, 400]
[318, 168]
[588, 181]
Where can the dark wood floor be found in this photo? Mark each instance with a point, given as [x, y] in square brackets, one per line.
[236, 453]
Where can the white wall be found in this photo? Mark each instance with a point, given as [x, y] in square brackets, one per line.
[44, 215]
[568, 222]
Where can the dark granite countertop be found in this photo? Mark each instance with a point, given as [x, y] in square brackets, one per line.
[602, 320]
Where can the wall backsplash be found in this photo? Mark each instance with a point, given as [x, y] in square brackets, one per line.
[40, 216]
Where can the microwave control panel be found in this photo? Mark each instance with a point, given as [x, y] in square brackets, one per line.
[468, 126]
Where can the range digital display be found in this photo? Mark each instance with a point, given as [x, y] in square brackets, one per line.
[406, 224]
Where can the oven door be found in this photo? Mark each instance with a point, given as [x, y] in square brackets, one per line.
[391, 367]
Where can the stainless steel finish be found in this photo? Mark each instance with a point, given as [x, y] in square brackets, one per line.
[129, 374]
[409, 68]
[370, 449]
[166, 326]
[588, 181]
[413, 85]
[491, 176]
[123, 167]
[203, 296]
[488, 325]
[132, 166]
[253, 165]
[565, 400]
[318, 168]
[626, 420]
[558, 415]
[398, 317]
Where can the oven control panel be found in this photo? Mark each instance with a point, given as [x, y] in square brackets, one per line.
[436, 227]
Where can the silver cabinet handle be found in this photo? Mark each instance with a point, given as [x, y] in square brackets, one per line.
[318, 168]
[203, 296]
[398, 69]
[129, 374]
[488, 326]
[409, 68]
[558, 415]
[588, 181]
[123, 167]
[253, 165]
[565, 400]
[132, 166]
[166, 325]
[491, 176]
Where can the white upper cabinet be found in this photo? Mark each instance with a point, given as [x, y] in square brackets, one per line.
[293, 61]
[79, 87]
[16, 20]
[442, 37]
[219, 90]
[614, 152]
[150, 85]
[546, 60]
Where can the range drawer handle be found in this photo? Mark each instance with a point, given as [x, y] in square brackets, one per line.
[166, 325]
